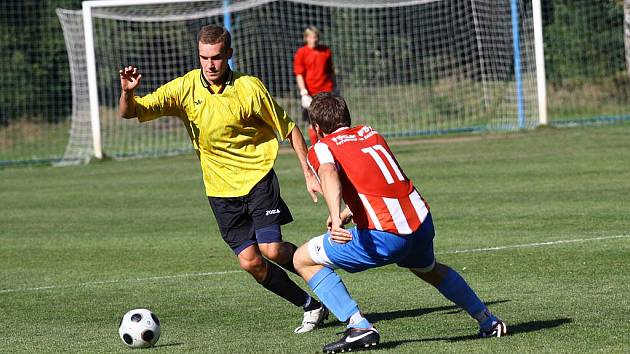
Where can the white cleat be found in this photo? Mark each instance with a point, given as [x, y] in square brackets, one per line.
[312, 319]
[498, 329]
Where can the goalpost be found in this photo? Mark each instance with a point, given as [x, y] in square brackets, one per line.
[406, 67]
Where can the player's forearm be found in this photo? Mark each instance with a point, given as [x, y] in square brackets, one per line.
[301, 85]
[127, 105]
[299, 146]
[331, 188]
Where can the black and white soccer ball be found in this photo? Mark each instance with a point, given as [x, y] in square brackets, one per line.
[139, 328]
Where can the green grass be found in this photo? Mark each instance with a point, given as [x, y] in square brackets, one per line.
[76, 229]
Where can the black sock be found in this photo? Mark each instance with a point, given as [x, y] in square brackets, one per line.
[289, 264]
[278, 282]
[311, 304]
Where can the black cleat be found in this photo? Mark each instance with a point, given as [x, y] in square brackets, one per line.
[498, 329]
[354, 339]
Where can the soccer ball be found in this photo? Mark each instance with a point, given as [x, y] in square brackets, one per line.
[139, 328]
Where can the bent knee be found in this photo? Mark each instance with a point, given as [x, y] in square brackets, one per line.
[433, 274]
[301, 258]
[252, 265]
[425, 270]
[273, 252]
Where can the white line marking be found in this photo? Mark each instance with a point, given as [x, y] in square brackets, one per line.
[207, 274]
[114, 281]
[535, 244]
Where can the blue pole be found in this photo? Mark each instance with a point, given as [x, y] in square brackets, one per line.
[517, 65]
[227, 23]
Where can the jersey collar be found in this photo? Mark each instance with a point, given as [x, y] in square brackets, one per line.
[228, 79]
[340, 129]
[336, 132]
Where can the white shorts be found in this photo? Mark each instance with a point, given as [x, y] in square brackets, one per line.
[318, 253]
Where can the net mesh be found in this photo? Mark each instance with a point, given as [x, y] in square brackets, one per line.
[79, 146]
[587, 78]
[35, 90]
[407, 68]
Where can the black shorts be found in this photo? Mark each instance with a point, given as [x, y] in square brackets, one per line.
[240, 217]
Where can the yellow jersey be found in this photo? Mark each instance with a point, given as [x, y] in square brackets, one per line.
[234, 128]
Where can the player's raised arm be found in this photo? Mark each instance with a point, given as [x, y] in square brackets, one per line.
[129, 80]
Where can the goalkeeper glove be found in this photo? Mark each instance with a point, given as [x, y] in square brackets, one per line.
[306, 99]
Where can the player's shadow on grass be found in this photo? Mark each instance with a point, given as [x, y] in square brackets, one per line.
[513, 330]
[392, 315]
[376, 317]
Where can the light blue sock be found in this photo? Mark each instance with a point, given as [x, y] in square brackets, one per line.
[455, 288]
[333, 293]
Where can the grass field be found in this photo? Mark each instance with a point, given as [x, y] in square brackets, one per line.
[81, 246]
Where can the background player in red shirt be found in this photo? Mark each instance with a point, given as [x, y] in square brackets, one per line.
[393, 225]
[314, 73]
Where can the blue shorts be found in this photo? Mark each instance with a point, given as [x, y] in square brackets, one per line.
[372, 248]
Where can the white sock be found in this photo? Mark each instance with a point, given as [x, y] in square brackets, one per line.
[356, 318]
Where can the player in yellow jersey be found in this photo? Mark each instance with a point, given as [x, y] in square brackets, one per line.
[234, 125]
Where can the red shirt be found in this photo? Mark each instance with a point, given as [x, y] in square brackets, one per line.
[316, 66]
[374, 187]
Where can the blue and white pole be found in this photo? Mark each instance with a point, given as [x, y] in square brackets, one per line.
[517, 64]
[227, 23]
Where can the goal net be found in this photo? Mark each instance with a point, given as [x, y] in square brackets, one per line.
[406, 67]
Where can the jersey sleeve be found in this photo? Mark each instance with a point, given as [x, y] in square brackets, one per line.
[165, 101]
[267, 109]
[298, 63]
[318, 155]
[312, 161]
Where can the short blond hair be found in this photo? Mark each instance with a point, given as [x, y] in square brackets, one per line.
[312, 30]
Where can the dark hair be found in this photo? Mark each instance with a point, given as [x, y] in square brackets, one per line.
[213, 34]
[329, 111]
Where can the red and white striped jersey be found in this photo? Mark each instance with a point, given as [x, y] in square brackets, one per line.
[375, 188]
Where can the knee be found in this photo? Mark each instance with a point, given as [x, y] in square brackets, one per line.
[432, 275]
[301, 258]
[275, 252]
[255, 266]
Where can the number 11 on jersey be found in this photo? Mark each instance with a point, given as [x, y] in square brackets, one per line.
[373, 152]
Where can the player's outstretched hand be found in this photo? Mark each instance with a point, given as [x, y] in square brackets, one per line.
[129, 78]
[338, 233]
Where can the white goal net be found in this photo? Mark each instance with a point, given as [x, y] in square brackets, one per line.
[406, 67]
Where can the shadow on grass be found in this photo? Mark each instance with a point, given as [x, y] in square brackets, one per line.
[392, 315]
[376, 317]
[514, 329]
[173, 344]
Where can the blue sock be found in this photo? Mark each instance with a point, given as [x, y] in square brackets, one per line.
[333, 293]
[455, 288]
